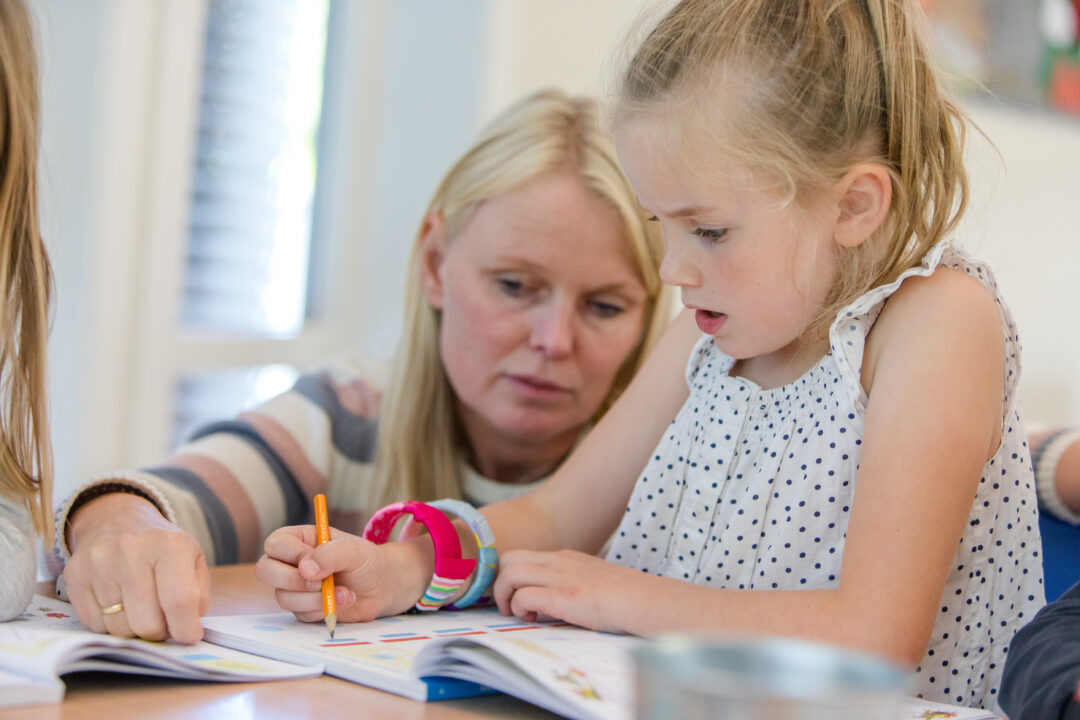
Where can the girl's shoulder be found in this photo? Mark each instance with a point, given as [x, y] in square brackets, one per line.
[947, 311]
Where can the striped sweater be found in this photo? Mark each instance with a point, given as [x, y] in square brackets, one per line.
[234, 482]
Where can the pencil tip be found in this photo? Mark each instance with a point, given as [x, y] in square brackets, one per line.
[331, 621]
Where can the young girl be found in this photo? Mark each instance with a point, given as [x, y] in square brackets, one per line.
[25, 279]
[846, 461]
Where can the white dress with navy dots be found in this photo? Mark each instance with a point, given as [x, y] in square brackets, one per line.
[751, 489]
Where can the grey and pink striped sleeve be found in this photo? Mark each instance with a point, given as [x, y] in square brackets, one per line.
[234, 482]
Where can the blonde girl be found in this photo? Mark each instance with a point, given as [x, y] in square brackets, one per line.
[533, 295]
[25, 278]
[828, 443]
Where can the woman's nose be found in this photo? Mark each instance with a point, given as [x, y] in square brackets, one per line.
[553, 329]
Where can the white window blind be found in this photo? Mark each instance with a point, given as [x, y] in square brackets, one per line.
[255, 167]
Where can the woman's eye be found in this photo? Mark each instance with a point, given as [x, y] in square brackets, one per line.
[511, 286]
[715, 234]
[606, 309]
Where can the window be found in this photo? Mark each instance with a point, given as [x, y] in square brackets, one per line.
[246, 268]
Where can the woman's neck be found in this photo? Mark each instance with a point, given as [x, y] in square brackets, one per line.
[512, 460]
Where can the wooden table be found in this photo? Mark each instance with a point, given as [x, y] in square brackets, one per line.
[113, 696]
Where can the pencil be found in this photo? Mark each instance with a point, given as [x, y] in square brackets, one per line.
[322, 534]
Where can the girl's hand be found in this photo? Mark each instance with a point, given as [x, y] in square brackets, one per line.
[368, 578]
[573, 586]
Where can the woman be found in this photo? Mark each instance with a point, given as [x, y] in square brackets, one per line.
[532, 298]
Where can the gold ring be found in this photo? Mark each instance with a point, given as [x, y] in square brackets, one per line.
[113, 609]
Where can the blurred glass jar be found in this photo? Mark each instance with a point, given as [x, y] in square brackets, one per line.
[763, 678]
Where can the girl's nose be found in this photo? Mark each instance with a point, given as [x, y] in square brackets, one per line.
[677, 268]
[553, 329]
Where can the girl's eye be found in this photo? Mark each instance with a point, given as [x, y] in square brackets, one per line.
[606, 309]
[714, 234]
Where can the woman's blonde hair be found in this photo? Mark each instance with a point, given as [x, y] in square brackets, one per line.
[420, 446]
[800, 91]
[25, 278]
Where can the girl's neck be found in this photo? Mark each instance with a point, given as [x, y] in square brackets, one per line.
[783, 366]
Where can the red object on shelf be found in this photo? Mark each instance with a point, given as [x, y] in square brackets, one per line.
[1064, 90]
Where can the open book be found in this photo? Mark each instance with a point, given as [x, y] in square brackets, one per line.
[48, 641]
[568, 670]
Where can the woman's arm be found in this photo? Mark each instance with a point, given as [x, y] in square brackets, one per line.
[215, 500]
[1055, 457]
[934, 372]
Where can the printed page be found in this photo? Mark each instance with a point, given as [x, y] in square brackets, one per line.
[379, 654]
[18, 690]
[916, 709]
[569, 670]
[48, 640]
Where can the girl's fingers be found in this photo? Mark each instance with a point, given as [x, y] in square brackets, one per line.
[289, 544]
[345, 554]
[310, 617]
[519, 570]
[282, 576]
[300, 602]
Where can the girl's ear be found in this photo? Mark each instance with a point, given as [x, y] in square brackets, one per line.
[431, 249]
[865, 194]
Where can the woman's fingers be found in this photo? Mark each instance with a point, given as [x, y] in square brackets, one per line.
[183, 596]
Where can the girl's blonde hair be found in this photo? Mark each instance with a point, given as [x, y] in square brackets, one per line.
[419, 445]
[25, 278]
[800, 91]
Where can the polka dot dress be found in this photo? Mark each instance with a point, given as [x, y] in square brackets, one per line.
[752, 489]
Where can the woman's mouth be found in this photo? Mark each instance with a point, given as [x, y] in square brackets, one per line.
[533, 386]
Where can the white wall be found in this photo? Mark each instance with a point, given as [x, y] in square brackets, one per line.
[1025, 221]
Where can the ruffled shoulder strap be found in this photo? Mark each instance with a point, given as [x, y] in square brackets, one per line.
[847, 335]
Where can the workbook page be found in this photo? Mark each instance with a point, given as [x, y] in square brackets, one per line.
[379, 653]
[48, 640]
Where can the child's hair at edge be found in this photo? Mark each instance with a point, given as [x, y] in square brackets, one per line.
[799, 92]
[419, 443]
[25, 277]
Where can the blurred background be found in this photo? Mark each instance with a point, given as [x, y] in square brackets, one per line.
[230, 188]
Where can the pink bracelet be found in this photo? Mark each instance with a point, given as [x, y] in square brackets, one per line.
[451, 570]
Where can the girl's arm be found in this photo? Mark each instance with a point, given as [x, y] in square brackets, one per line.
[582, 503]
[934, 373]
[579, 507]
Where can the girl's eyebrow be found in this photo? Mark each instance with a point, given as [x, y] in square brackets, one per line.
[688, 211]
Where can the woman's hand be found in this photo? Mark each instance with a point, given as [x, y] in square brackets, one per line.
[573, 586]
[124, 551]
[370, 580]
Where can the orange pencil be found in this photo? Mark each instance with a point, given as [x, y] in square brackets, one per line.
[322, 534]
